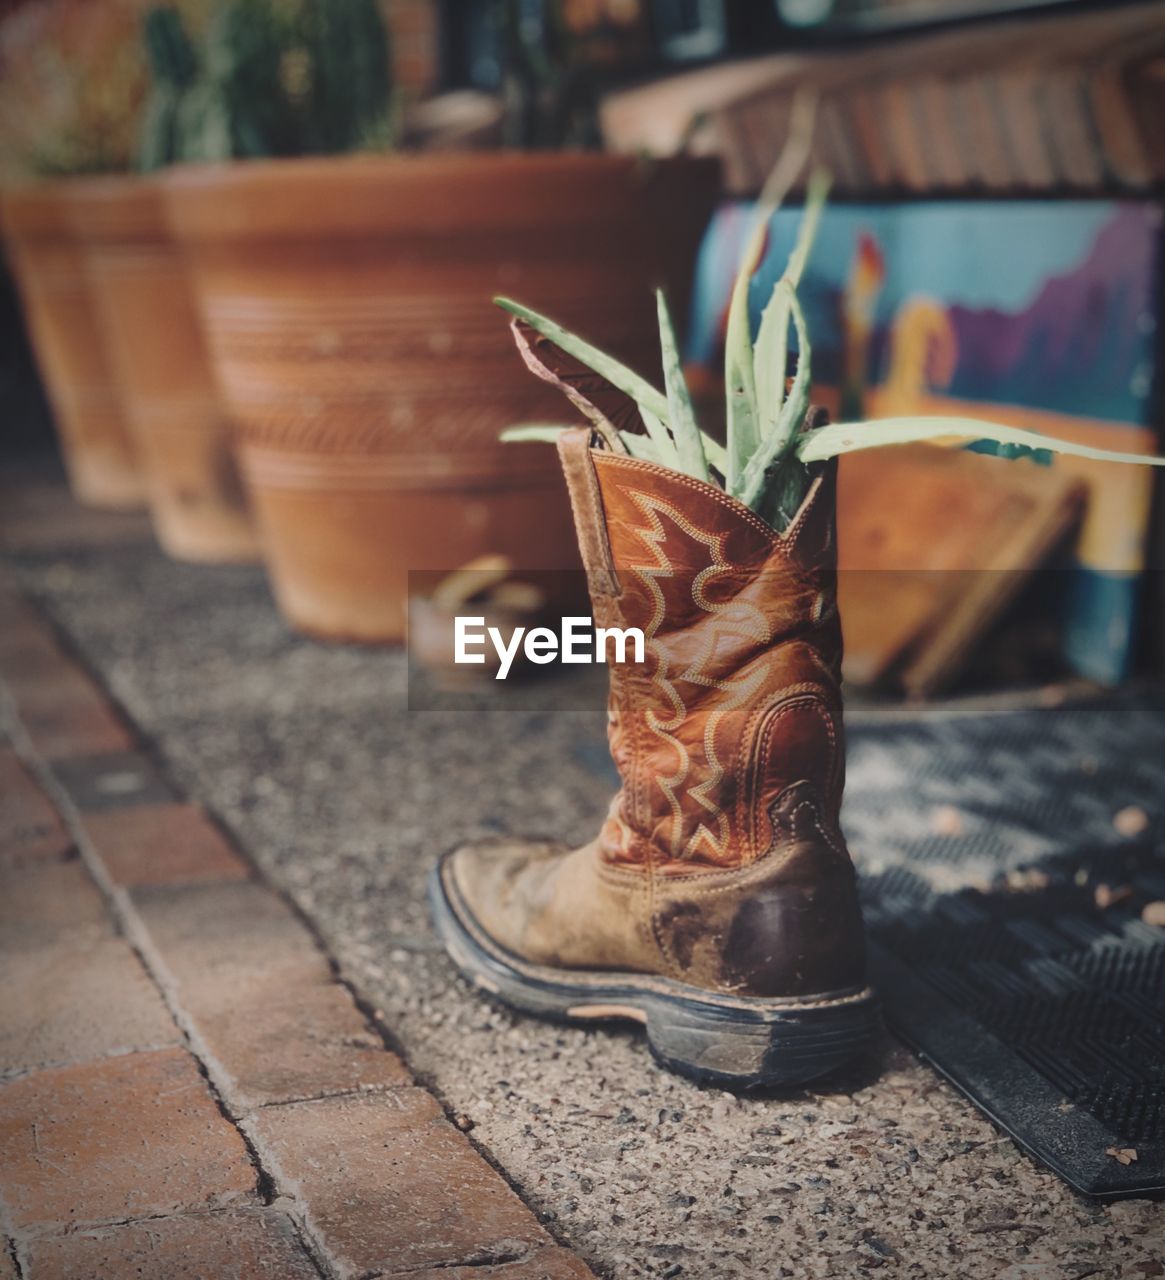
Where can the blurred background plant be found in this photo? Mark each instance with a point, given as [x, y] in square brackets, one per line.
[73, 77]
[547, 63]
[109, 86]
[548, 88]
[266, 78]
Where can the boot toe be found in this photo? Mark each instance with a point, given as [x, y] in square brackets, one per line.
[496, 883]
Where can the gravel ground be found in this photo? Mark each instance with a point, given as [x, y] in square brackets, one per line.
[345, 798]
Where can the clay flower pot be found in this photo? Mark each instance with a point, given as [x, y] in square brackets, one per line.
[46, 259]
[143, 298]
[348, 308]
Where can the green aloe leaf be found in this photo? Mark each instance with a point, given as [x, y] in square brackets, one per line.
[815, 197]
[644, 447]
[686, 435]
[739, 377]
[548, 433]
[653, 405]
[770, 358]
[533, 432]
[772, 343]
[618, 375]
[714, 452]
[787, 484]
[775, 444]
[608, 408]
[740, 389]
[849, 437]
[661, 441]
[797, 402]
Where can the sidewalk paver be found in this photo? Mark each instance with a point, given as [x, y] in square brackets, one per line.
[23, 637]
[263, 996]
[37, 899]
[72, 989]
[62, 710]
[64, 713]
[161, 844]
[30, 829]
[427, 1198]
[253, 1244]
[75, 1000]
[131, 1136]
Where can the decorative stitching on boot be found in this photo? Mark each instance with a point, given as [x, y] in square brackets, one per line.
[800, 697]
[749, 776]
[810, 800]
[735, 618]
[782, 540]
[697, 486]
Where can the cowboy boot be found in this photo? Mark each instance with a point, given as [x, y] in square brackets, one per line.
[717, 904]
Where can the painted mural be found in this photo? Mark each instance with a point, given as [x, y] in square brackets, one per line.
[1039, 314]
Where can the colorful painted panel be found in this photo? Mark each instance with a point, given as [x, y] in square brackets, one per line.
[1040, 314]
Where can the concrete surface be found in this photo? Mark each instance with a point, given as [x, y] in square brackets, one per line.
[345, 798]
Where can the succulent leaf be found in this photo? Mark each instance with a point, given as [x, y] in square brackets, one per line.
[770, 453]
[618, 375]
[534, 432]
[682, 417]
[771, 353]
[740, 387]
[596, 397]
[848, 437]
[652, 405]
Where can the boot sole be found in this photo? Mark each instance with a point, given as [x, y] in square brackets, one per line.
[737, 1042]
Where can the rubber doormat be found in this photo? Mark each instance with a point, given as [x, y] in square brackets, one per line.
[1013, 864]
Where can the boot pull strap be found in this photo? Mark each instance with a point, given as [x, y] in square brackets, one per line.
[587, 504]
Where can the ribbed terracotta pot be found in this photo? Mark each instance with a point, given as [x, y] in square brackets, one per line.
[348, 308]
[142, 293]
[97, 443]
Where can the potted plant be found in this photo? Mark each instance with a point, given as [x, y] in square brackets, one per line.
[346, 303]
[142, 294]
[717, 905]
[72, 84]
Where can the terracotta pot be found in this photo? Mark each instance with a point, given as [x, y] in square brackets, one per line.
[96, 440]
[347, 304]
[143, 297]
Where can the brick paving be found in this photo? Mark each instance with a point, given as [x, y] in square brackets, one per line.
[162, 844]
[186, 1089]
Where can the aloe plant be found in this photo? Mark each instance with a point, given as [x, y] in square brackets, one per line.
[771, 454]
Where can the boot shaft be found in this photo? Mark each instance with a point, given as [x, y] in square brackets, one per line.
[729, 737]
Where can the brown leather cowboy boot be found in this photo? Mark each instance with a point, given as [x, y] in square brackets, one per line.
[717, 904]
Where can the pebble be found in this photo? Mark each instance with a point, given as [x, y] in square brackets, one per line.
[1131, 821]
[946, 820]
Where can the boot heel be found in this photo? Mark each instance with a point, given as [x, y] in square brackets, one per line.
[760, 1043]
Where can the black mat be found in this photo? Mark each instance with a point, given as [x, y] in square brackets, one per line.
[1007, 861]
